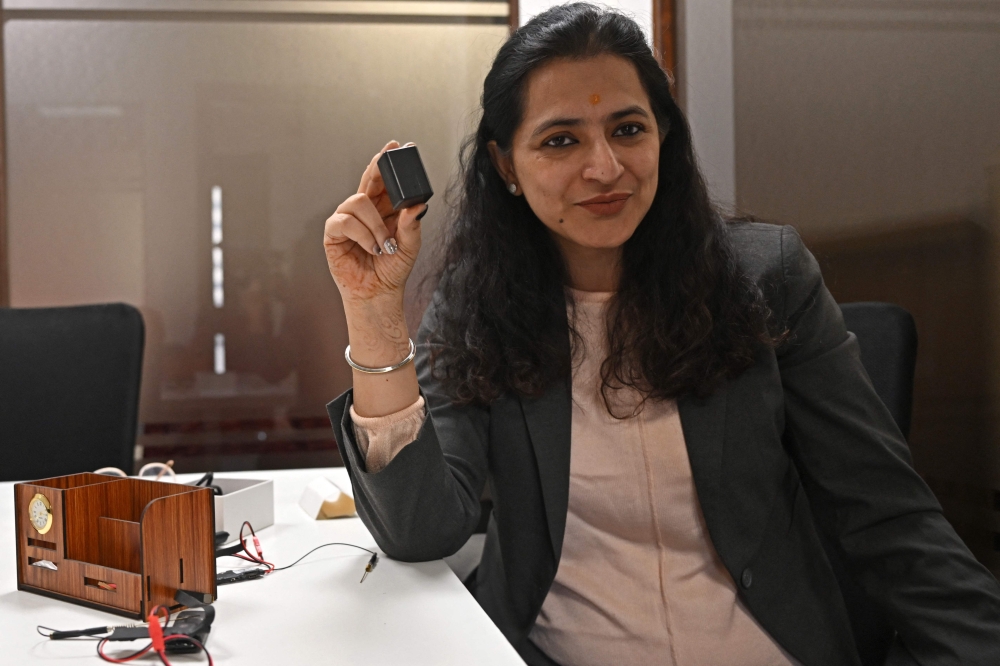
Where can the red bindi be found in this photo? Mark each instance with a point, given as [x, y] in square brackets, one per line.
[595, 98]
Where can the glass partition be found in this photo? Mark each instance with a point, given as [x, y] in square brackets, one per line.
[185, 163]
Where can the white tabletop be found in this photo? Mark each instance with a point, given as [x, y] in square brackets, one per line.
[313, 613]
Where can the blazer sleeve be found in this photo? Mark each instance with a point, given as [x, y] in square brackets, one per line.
[423, 505]
[857, 473]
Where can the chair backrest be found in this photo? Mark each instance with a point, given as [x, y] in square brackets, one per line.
[887, 337]
[69, 389]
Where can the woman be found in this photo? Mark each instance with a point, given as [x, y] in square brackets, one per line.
[667, 407]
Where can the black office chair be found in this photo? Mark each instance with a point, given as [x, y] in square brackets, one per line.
[888, 340]
[887, 337]
[69, 389]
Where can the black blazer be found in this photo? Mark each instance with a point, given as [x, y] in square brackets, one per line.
[798, 443]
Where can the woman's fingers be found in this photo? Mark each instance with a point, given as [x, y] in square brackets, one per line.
[362, 208]
[367, 217]
[342, 227]
[408, 229]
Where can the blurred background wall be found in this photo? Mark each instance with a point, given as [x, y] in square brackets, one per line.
[873, 127]
[185, 160]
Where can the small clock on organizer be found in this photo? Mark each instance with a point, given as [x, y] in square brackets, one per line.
[40, 513]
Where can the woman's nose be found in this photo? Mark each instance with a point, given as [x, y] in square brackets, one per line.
[602, 163]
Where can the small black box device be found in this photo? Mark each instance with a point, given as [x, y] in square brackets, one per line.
[404, 177]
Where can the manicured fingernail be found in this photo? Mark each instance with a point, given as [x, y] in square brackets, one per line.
[390, 245]
[423, 212]
[377, 249]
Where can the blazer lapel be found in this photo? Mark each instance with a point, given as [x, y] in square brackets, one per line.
[704, 426]
[549, 420]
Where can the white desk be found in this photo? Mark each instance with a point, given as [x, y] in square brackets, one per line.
[313, 613]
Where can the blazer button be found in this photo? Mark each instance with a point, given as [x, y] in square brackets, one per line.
[747, 578]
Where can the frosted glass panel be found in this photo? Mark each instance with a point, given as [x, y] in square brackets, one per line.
[187, 168]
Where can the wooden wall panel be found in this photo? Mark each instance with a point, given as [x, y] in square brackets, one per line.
[71, 577]
[75, 480]
[183, 528]
[104, 559]
[25, 531]
[126, 596]
[144, 492]
[118, 543]
[83, 507]
[122, 500]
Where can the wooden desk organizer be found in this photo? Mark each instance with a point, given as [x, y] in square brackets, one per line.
[120, 545]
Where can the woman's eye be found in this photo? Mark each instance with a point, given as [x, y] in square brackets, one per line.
[629, 129]
[559, 141]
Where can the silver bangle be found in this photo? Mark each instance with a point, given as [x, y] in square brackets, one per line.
[378, 371]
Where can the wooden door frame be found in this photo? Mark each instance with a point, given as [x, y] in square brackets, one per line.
[665, 36]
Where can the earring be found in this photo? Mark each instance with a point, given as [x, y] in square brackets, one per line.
[512, 188]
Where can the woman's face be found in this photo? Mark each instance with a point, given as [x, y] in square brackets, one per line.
[587, 152]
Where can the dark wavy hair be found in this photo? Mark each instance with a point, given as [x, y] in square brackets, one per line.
[684, 318]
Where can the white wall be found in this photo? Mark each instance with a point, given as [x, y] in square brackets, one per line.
[705, 89]
[850, 114]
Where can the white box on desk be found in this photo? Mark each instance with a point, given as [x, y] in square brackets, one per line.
[243, 499]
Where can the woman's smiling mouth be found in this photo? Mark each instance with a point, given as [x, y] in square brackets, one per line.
[606, 204]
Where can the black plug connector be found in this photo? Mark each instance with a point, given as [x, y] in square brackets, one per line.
[372, 562]
[404, 176]
[227, 577]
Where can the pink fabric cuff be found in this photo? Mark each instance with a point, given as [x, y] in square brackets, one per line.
[380, 438]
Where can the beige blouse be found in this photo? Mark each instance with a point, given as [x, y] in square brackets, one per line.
[638, 580]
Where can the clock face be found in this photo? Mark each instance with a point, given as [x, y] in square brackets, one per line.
[40, 513]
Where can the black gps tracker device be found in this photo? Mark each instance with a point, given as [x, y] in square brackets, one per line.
[405, 179]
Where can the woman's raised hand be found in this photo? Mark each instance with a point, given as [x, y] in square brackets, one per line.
[371, 248]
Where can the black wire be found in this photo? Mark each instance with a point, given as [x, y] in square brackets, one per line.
[336, 543]
[90, 637]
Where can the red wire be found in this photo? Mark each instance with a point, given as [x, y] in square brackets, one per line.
[154, 614]
[250, 557]
[156, 631]
[135, 655]
[122, 660]
[154, 618]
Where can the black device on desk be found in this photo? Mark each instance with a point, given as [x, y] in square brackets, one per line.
[404, 176]
[182, 633]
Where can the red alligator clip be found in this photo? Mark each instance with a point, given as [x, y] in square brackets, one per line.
[156, 631]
